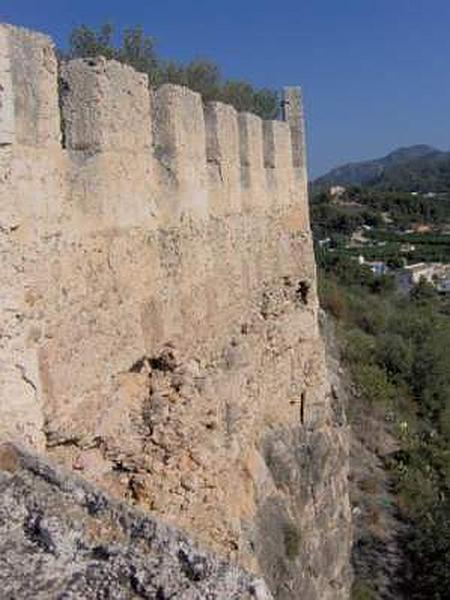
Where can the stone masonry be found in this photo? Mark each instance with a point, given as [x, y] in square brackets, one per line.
[158, 311]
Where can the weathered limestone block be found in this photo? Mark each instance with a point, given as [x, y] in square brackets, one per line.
[294, 116]
[277, 145]
[30, 196]
[7, 121]
[107, 119]
[33, 68]
[180, 147]
[109, 190]
[252, 161]
[105, 106]
[222, 154]
[251, 141]
[94, 290]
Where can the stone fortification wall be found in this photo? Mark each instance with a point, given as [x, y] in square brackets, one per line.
[158, 321]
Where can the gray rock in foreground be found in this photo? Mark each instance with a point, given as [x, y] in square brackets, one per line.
[61, 538]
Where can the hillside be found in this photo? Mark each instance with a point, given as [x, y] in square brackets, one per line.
[416, 168]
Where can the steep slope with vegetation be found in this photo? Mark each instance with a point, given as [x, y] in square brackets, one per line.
[395, 350]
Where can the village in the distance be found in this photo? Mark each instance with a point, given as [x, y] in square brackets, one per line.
[387, 228]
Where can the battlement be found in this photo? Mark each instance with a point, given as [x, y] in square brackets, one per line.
[95, 106]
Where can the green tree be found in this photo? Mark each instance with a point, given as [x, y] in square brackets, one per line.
[204, 76]
[138, 50]
[238, 93]
[173, 72]
[374, 385]
[423, 292]
[86, 42]
[266, 103]
[395, 354]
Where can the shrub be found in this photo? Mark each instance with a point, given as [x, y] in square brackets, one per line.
[359, 347]
[374, 385]
[332, 298]
[369, 485]
[395, 354]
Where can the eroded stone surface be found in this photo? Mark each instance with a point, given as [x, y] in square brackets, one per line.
[62, 538]
[158, 318]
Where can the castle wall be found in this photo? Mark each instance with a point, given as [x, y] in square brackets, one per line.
[159, 309]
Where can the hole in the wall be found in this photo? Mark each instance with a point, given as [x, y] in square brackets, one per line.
[63, 90]
[302, 291]
[165, 361]
[302, 407]
[139, 365]
[64, 87]
[245, 328]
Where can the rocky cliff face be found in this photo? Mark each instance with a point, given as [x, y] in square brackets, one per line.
[159, 315]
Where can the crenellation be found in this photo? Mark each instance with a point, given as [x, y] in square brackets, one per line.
[7, 121]
[222, 142]
[277, 145]
[278, 161]
[222, 154]
[180, 147]
[251, 141]
[252, 161]
[33, 68]
[293, 114]
[105, 107]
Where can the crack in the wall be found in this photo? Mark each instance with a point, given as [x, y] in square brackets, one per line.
[27, 379]
[218, 165]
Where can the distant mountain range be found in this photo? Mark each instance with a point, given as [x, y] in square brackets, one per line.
[416, 168]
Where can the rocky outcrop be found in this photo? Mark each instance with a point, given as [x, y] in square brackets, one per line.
[62, 538]
[159, 314]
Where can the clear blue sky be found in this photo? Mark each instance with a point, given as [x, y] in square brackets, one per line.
[375, 73]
